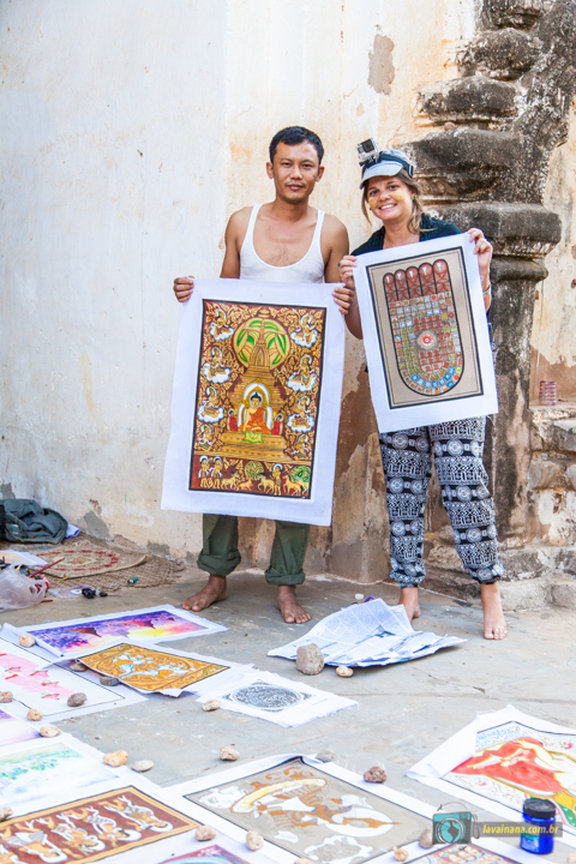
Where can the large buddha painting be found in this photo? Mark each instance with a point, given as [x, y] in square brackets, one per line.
[259, 385]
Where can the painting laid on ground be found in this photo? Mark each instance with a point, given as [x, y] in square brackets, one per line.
[42, 769]
[154, 670]
[318, 811]
[209, 855]
[154, 624]
[426, 334]
[276, 699]
[256, 402]
[89, 829]
[469, 853]
[13, 730]
[503, 758]
[35, 683]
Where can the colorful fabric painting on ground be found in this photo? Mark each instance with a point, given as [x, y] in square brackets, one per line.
[463, 853]
[426, 335]
[503, 758]
[156, 624]
[42, 769]
[152, 670]
[13, 730]
[264, 406]
[89, 829]
[33, 685]
[208, 855]
[311, 811]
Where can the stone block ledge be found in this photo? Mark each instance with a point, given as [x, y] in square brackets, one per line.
[554, 428]
[531, 225]
[536, 576]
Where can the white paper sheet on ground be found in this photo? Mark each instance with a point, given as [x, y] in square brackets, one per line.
[154, 669]
[35, 683]
[354, 826]
[281, 345]
[277, 699]
[33, 774]
[513, 756]
[74, 636]
[427, 345]
[367, 634]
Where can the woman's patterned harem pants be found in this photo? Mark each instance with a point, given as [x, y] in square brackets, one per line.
[407, 460]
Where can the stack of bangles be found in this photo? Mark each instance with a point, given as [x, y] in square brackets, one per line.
[487, 290]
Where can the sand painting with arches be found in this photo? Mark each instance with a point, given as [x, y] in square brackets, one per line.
[319, 812]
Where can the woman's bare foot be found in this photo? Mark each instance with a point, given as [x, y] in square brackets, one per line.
[409, 599]
[290, 609]
[215, 589]
[494, 621]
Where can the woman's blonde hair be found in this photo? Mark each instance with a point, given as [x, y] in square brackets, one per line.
[415, 189]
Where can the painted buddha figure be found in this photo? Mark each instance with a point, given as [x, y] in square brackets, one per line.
[254, 399]
[254, 419]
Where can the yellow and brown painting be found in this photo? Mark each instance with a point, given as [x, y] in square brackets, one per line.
[257, 400]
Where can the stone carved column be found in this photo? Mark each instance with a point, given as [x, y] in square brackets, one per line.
[486, 165]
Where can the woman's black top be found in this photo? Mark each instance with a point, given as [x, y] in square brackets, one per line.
[430, 228]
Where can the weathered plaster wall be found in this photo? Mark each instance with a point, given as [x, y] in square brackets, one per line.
[131, 130]
[554, 331]
[107, 130]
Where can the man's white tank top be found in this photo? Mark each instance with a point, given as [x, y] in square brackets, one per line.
[310, 268]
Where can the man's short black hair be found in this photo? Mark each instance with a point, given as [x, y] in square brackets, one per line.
[296, 135]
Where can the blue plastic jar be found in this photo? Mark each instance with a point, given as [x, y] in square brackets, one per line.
[540, 815]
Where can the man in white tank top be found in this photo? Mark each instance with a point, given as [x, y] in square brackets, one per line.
[284, 240]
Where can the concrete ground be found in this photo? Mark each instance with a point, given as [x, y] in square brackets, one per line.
[403, 711]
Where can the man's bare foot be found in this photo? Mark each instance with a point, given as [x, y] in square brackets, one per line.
[290, 609]
[494, 621]
[215, 589]
[409, 599]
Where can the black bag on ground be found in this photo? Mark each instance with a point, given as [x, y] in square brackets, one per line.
[23, 520]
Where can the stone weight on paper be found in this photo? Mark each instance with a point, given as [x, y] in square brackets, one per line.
[309, 659]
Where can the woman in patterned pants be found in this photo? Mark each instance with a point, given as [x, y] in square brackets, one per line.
[456, 447]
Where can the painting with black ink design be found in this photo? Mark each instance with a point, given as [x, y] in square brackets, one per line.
[426, 334]
[276, 699]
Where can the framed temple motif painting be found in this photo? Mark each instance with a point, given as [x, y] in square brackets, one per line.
[426, 334]
[256, 401]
